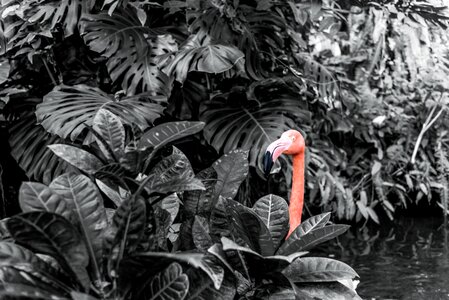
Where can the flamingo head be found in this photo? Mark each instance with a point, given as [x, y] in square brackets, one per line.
[291, 142]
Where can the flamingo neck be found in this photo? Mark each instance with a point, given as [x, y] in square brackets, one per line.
[297, 193]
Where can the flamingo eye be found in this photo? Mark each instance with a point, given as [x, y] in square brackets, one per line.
[293, 138]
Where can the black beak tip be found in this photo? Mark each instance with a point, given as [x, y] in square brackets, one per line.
[267, 163]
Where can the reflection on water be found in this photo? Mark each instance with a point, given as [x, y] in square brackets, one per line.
[407, 260]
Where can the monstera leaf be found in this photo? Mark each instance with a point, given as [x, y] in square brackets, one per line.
[197, 54]
[130, 49]
[250, 125]
[67, 110]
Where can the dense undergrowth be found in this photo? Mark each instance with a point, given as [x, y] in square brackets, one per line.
[95, 93]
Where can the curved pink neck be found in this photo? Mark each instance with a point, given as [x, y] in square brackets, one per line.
[297, 193]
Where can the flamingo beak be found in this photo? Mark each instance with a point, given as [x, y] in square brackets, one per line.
[274, 150]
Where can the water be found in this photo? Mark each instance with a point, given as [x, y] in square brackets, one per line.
[408, 259]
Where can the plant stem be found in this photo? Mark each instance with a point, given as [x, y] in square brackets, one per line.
[53, 80]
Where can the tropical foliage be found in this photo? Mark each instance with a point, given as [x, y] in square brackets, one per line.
[361, 79]
[137, 223]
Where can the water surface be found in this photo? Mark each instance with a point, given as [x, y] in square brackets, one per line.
[407, 259]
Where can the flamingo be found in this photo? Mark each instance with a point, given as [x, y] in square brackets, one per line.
[291, 143]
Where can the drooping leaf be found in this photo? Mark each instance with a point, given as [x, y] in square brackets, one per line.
[111, 129]
[200, 202]
[294, 244]
[88, 212]
[196, 260]
[37, 196]
[318, 269]
[312, 223]
[67, 110]
[232, 169]
[273, 210]
[130, 48]
[261, 265]
[77, 157]
[200, 233]
[4, 70]
[171, 204]
[22, 291]
[173, 174]
[172, 283]
[325, 291]
[110, 192]
[53, 235]
[250, 125]
[247, 224]
[198, 54]
[165, 133]
[202, 288]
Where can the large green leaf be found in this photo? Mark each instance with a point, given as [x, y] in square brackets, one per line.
[173, 174]
[15, 256]
[325, 291]
[203, 288]
[4, 70]
[232, 169]
[171, 204]
[37, 196]
[294, 244]
[88, 212]
[130, 49]
[77, 157]
[171, 284]
[318, 269]
[51, 234]
[273, 210]
[310, 224]
[261, 265]
[196, 260]
[250, 125]
[111, 130]
[198, 54]
[67, 110]
[199, 202]
[247, 224]
[200, 233]
[165, 133]
[9, 290]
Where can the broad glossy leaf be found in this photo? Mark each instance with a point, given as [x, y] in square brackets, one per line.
[247, 224]
[325, 291]
[165, 133]
[53, 235]
[250, 125]
[130, 48]
[260, 265]
[232, 169]
[172, 283]
[294, 244]
[311, 223]
[200, 234]
[23, 260]
[173, 174]
[200, 202]
[273, 210]
[81, 296]
[196, 260]
[110, 192]
[318, 269]
[23, 291]
[88, 212]
[171, 204]
[198, 54]
[202, 288]
[67, 110]
[4, 70]
[111, 129]
[37, 196]
[129, 223]
[77, 157]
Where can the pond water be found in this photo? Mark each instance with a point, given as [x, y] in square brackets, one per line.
[408, 259]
